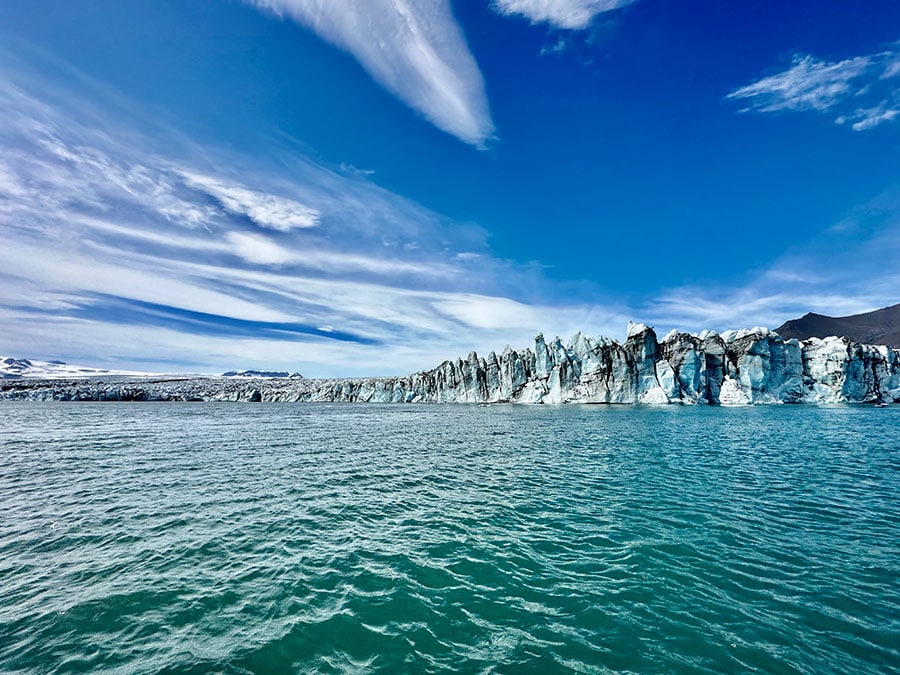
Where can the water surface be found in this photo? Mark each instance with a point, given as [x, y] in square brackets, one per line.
[333, 538]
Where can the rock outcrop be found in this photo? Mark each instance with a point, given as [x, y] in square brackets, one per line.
[734, 368]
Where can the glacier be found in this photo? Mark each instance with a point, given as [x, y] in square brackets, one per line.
[743, 367]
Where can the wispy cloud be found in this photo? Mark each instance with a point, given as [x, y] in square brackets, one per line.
[862, 90]
[809, 84]
[266, 210]
[414, 49]
[115, 254]
[569, 14]
[846, 269]
[868, 118]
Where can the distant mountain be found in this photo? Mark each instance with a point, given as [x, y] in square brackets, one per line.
[881, 327]
[260, 373]
[12, 368]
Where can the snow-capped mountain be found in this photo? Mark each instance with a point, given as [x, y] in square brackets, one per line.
[12, 369]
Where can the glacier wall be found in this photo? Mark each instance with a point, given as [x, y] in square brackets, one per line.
[733, 368]
[736, 367]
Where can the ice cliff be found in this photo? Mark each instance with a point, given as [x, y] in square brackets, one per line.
[736, 367]
[732, 368]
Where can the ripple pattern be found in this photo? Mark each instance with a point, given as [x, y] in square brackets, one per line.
[358, 538]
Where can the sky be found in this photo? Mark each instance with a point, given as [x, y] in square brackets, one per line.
[369, 187]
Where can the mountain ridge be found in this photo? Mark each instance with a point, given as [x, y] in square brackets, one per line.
[878, 327]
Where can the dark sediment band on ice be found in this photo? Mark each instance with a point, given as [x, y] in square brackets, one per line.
[736, 367]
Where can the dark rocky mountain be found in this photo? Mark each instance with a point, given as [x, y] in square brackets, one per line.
[881, 327]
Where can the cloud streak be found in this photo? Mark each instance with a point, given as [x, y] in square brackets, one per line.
[264, 209]
[413, 48]
[568, 14]
[846, 269]
[201, 260]
[863, 90]
[113, 253]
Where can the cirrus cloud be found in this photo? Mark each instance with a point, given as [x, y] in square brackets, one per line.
[203, 260]
[413, 48]
[863, 90]
[266, 210]
[569, 14]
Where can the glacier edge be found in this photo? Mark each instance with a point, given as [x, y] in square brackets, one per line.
[750, 366]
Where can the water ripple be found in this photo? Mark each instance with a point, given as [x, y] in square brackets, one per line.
[307, 538]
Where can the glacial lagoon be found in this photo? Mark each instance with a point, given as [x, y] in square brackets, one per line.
[216, 537]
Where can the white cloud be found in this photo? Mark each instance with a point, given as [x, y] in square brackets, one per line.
[266, 210]
[258, 249]
[872, 117]
[860, 89]
[570, 14]
[79, 274]
[846, 269]
[809, 84]
[9, 184]
[487, 312]
[113, 253]
[892, 70]
[413, 48]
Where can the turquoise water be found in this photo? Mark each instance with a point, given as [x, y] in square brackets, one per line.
[315, 538]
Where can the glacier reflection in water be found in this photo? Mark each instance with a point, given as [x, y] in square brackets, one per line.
[234, 538]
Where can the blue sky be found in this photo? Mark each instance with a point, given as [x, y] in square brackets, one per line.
[349, 187]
